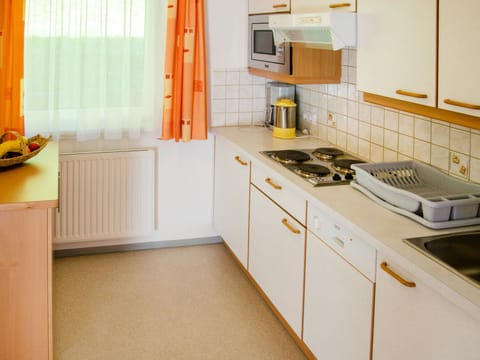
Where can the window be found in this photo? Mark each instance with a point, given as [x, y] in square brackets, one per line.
[93, 67]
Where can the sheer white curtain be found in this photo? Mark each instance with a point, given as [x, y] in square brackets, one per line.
[93, 68]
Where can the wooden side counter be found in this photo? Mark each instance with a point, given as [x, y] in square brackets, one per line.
[28, 198]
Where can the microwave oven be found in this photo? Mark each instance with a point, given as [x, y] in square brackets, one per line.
[263, 54]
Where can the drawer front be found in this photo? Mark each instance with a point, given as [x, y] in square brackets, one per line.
[342, 240]
[280, 191]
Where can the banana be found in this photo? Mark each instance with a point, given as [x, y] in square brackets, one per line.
[11, 146]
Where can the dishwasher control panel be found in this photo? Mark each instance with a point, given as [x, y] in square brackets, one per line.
[336, 234]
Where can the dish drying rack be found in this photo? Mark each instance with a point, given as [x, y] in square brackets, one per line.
[420, 192]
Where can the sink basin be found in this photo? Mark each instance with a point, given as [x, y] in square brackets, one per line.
[458, 251]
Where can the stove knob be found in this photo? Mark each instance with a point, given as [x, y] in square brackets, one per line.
[348, 176]
[336, 177]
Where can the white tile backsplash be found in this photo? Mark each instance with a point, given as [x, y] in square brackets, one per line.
[390, 139]
[373, 132]
[405, 145]
[460, 140]
[237, 98]
[391, 120]
[378, 116]
[377, 135]
[440, 134]
[405, 124]
[422, 129]
[475, 144]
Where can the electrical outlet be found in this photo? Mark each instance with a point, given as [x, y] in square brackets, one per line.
[331, 121]
[459, 164]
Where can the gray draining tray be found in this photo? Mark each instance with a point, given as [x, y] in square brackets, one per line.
[420, 189]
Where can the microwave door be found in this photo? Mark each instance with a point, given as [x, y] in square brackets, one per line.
[264, 48]
[263, 52]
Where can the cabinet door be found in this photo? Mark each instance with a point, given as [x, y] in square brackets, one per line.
[232, 179]
[396, 54]
[276, 259]
[459, 58]
[338, 305]
[417, 323]
[25, 263]
[306, 6]
[268, 6]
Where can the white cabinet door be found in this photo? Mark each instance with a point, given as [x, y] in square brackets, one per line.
[276, 258]
[338, 305]
[311, 6]
[417, 323]
[268, 6]
[396, 54]
[232, 182]
[459, 58]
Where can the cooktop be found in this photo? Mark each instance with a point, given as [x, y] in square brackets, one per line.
[320, 167]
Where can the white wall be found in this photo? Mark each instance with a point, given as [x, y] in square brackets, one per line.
[227, 28]
[184, 191]
[185, 170]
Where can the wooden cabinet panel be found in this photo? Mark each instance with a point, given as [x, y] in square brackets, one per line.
[417, 323]
[396, 54]
[459, 59]
[232, 183]
[25, 283]
[309, 66]
[268, 6]
[276, 257]
[306, 6]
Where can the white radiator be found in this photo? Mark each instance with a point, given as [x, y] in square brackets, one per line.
[106, 195]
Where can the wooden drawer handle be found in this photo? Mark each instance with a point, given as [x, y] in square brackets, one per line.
[290, 227]
[339, 5]
[278, 6]
[461, 104]
[240, 161]
[411, 94]
[272, 184]
[397, 277]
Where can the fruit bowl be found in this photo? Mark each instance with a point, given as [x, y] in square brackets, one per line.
[18, 148]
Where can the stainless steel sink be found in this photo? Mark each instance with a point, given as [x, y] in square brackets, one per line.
[458, 251]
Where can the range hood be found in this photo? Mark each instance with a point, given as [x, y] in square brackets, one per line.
[328, 30]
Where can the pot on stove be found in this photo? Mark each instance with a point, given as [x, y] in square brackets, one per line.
[285, 119]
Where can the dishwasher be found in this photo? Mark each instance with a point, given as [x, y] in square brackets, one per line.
[339, 289]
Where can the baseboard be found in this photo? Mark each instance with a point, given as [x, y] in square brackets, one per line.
[136, 246]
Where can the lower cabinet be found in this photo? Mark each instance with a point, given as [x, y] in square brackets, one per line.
[276, 259]
[338, 305]
[414, 322]
[232, 186]
[25, 284]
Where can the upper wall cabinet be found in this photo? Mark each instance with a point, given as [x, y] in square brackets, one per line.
[307, 6]
[459, 56]
[268, 6]
[396, 54]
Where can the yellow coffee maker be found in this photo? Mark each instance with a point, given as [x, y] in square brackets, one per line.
[284, 119]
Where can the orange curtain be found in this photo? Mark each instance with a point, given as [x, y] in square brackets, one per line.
[11, 65]
[185, 105]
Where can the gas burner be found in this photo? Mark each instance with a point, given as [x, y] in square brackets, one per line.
[327, 153]
[344, 165]
[290, 156]
[309, 170]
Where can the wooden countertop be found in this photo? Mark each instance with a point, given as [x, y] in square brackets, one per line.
[33, 184]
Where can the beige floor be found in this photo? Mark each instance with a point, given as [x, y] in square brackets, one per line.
[178, 303]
